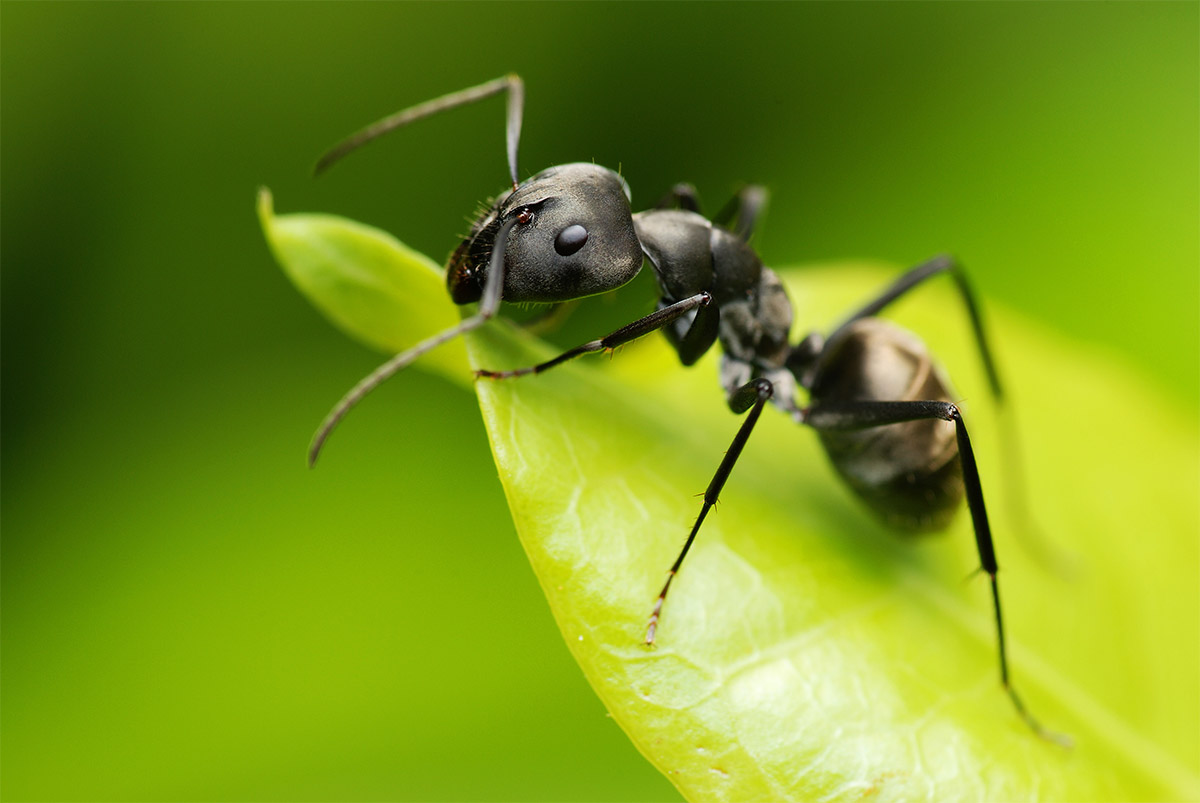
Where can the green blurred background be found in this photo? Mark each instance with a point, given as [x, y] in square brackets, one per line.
[190, 614]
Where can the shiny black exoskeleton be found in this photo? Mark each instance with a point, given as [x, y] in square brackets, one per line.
[876, 400]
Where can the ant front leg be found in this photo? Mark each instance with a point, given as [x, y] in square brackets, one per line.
[854, 415]
[642, 326]
[752, 396]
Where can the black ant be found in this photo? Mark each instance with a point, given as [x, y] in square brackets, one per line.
[875, 398]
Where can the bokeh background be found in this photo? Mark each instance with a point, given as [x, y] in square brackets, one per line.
[190, 614]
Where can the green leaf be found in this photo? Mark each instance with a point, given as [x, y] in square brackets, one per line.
[372, 286]
[808, 653]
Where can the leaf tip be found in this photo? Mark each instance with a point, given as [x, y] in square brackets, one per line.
[265, 205]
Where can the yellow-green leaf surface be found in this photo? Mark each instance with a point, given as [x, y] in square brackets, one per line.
[807, 653]
[371, 285]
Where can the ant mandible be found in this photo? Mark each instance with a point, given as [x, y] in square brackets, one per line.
[875, 398]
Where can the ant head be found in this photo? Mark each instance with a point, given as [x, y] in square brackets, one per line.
[573, 237]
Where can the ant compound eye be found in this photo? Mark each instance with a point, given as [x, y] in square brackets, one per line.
[525, 217]
[570, 240]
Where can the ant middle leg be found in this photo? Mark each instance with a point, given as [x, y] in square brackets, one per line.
[856, 415]
[752, 396]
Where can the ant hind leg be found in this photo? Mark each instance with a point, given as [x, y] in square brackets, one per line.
[853, 415]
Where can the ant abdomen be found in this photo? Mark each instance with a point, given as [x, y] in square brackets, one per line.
[908, 473]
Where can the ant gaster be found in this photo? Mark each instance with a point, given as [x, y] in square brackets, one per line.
[875, 398]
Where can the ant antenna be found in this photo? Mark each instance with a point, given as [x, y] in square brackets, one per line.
[488, 306]
[516, 104]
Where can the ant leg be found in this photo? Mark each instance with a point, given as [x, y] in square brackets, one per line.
[913, 277]
[751, 396]
[510, 83]
[745, 206]
[488, 306]
[1030, 535]
[692, 339]
[642, 326]
[853, 415]
[682, 196]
